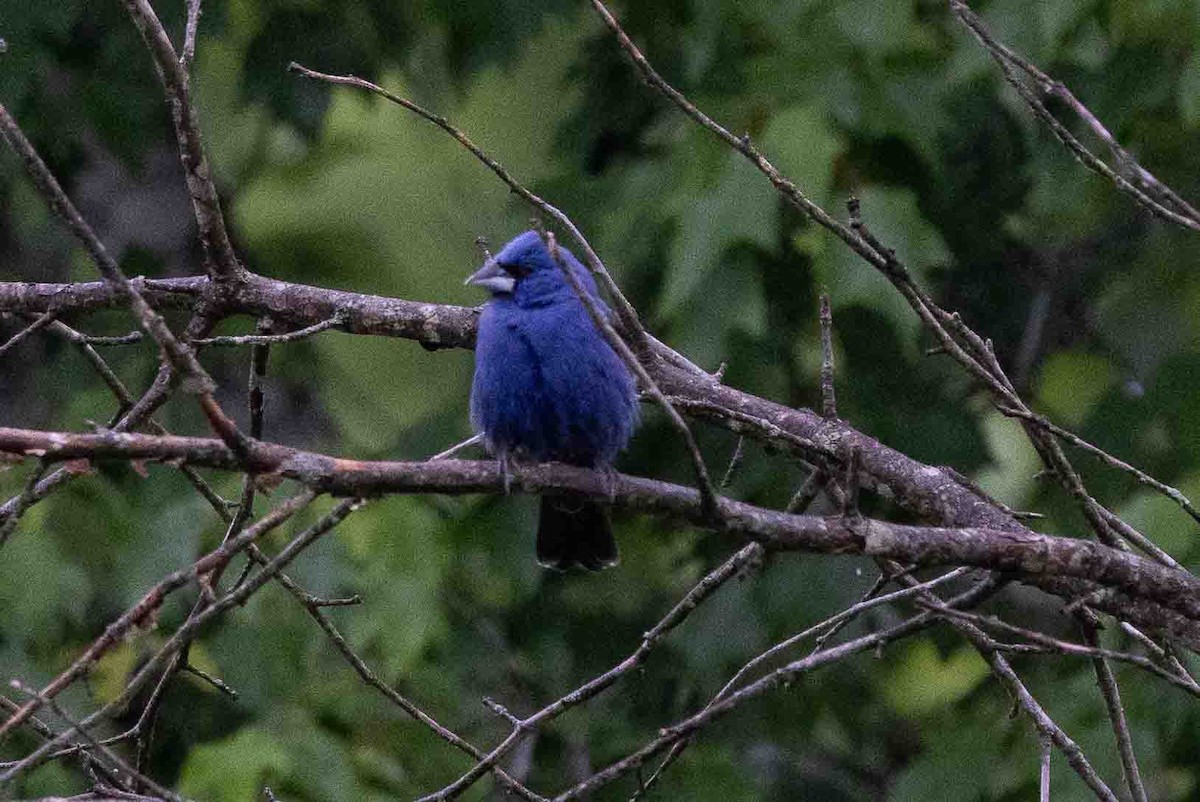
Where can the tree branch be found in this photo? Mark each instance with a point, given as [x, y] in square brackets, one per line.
[172, 72]
[1024, 552]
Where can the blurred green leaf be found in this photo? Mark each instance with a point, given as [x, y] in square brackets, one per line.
[923, 681]
[401, 561]
[1162, 520]
[800, 142]
[968, 760]
[237, 767]
[39, 620]
[1071, 383]
[1189, 90]
[738, 209]
[1009, 475]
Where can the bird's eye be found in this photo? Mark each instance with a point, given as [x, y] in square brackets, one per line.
[515, 270]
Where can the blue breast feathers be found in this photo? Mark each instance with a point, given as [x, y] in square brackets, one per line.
[547, 385]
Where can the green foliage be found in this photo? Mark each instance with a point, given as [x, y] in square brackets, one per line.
[1093, 306]
[238, 766]
[925, 682]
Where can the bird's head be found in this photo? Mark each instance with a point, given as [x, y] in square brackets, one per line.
[525, 269]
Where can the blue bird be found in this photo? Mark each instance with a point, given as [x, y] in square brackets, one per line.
[548, 386]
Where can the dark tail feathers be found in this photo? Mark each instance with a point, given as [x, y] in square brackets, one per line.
[574, 531]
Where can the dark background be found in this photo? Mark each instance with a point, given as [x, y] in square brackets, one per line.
[1091, 303]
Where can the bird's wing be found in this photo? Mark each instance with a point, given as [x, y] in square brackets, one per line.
[586, 399]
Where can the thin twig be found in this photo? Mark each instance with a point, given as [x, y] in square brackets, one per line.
[75, 726]
[1162, 655]
[1116, 712]
[825, 628]
[217, 683]
[454, 449]
[734, 462]
[974, 487]
[884, 579]
[23, 501]
[807, 492]
[273, 339]
[1186, 216]
[222, 262]
[702, 590]
[132, 338]
[828, 396]
[189, 36]
[42, 321]
[1108, 459]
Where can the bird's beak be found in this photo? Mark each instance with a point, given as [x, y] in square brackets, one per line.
[492, 277]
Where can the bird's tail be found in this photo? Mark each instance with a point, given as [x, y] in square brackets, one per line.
[574, 531]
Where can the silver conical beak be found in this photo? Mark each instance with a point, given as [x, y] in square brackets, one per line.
[492, 277]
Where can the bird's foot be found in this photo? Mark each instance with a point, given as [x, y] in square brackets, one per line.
[610, 482]
[505, 472]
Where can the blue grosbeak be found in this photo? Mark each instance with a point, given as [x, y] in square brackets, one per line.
[548, 386]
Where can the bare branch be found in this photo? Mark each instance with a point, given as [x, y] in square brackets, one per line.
[928, 491]
[1184, 214]
[144, 611]
[1033, 555]
[189, 36]
[195, 379]
[1116, 712]
[703, 589]
[172, 72]
[828, 395]
[44, 320]
[273, 339]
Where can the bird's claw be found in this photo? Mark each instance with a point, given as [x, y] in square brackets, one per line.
[610, 482]
[505, 473]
